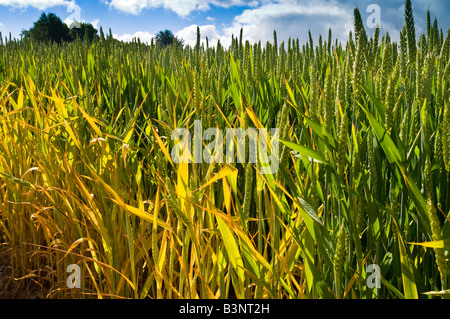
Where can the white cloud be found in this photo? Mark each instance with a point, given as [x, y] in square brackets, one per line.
[38, 4]
[181, 7]
[231, 3]
[95, 23]
[70, 5]
[144, 36]
[293, 19]
[189, 34]
[1, 24]
[290, 18]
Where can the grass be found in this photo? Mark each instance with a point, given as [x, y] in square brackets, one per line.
[86, 175]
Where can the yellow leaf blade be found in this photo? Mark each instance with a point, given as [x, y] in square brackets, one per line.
[161, 145]
[224, 172]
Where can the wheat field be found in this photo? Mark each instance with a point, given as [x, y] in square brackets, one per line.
[86, 175]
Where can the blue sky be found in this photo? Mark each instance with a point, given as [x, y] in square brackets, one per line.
[219, 19]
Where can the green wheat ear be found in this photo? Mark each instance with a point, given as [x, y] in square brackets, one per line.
[446, 137]
[357, 69]
[411, 31]
[360, 32]
[342, 148]
[248, 191]
[372, 163]
[391, 99]
[339, 258]
[173, 202]
[437, 236]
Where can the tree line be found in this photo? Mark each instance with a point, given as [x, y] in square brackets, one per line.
[50, 28]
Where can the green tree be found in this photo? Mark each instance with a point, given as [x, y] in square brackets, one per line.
[166, 37]
[83, 31]
[49, 28]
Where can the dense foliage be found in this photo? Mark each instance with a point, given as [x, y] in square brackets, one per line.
[165, 38]
[50, 28]
[86, 175]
